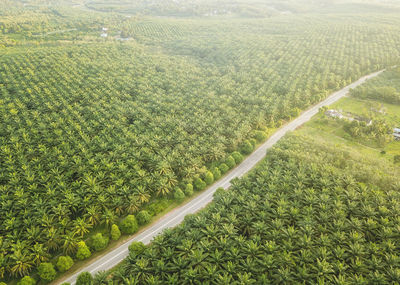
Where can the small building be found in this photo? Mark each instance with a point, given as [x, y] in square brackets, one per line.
[396, 134]
[104, 29]
[103, 35]
[334, 114]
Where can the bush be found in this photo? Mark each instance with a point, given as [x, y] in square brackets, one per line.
[260, 136]
[253, 142]
[396, 159]
[179, 195]
[85, 278]
[64, 263]
[129, 225]
[137, 247]
[237, 156]
[216, 173]
[223, 168]
[46, 271]
[199, 184]
[230, 162]
[66, 283]
[158, 207]
[99, 242]
[83, 251]
[143, 217]
[246, 147]
[27, 280]
[189, 190]
[115, 232]
[209, 178]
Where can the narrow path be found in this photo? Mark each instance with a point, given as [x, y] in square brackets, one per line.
[176, 216]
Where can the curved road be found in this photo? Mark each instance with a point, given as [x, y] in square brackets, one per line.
[177, 215]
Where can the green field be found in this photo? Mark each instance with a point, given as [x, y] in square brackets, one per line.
[324, 128]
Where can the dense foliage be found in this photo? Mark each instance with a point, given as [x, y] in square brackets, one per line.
[310, 213]
[94, 129]
[384, 88]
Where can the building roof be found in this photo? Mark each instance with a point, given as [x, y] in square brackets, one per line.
[396, 130]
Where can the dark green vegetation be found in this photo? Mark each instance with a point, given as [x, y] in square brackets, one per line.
[94, 129]
[309, 213]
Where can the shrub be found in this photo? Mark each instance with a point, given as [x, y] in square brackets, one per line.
[137, 247]
[199, 184]
[143, 217]
[27, 280]
[83, 251]
[223, 168]
[209, 178]
[230, 162]
[99, 242]
[85, 278]
[253, 142]
[64, 263]
[129, 225]
[246, 147]
[66, 283]
[115, 232]
[237, 156]
[179, 195]
[396, 159]
[216, 173]
[260, 136]
[189, 190]
[158, 207]
[46, 271]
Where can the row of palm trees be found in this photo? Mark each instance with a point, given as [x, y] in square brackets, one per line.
[90, 133]
[296, 218]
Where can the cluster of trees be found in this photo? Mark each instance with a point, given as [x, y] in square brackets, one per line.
[377, 130]
[305, 215]
[385, 88]
[90, 134]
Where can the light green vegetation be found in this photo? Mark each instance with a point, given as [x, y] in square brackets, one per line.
[326, 129]
[94, 129]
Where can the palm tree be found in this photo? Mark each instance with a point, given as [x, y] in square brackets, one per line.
[100, 278]
[142, 194]
[93, 215]
[53, 239]
[70, 243]
[108, 218]
[39, 254]
[81, 227]
[21, 263]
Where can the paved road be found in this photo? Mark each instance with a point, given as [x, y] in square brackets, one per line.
[177, 215]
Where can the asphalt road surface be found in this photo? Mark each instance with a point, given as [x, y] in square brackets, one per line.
[176, 216]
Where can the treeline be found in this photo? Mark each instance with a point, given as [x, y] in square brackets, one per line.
[385, 88]
[309, 213]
